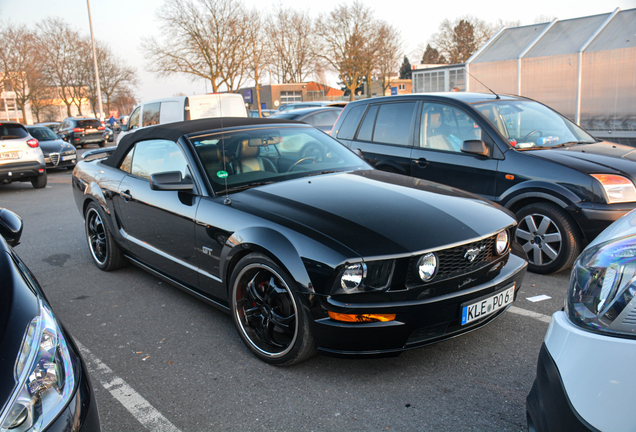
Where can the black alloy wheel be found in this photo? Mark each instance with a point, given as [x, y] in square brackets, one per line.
[106, 254]
[548, 236]
[267, 313]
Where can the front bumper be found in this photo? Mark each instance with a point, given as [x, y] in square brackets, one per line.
[584, 381]
[50, 160]
[417, 323]
[21, 171]
[593, 218]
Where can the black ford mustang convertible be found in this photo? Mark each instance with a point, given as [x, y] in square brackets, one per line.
[306, 253]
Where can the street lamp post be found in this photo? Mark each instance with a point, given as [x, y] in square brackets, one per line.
[99, 90]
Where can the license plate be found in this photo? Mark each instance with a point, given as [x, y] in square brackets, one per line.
[488, 305]
[71, 157]
[10, 155]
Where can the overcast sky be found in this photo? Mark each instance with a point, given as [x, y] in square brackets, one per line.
[122, 23]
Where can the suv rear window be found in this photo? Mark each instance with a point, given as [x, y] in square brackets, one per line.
[12, 131]
[85, 124]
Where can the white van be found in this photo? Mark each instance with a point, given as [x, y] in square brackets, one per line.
[180, 108]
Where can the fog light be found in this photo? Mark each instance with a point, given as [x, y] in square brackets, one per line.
[502, 242]
[427, 266]
[361, 318]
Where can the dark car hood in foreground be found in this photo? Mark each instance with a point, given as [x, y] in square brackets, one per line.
[376, 213]
[601, 157]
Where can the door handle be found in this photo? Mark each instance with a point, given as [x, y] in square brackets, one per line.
[125, 195]
[421, 162]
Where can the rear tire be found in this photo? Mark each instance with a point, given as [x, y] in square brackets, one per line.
[39, 182]
[105, 252]
[549, 237]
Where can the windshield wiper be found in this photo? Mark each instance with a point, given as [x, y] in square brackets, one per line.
[247, 186]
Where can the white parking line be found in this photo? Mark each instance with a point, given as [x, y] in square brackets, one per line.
[530, 314]
[139, 407]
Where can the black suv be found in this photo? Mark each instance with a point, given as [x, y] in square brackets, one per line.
[564, 185]
[81, 131]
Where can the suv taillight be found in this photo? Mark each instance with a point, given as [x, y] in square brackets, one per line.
[78, 130]
[33, 143]
[101, 128]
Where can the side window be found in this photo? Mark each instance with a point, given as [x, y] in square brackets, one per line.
[350, 124]
[151, 114]
[445, 128]
[366, 130]
[171, 112]
[155, 156]
[126, 165]
[133, 121]
[323, 118]
[393, 124]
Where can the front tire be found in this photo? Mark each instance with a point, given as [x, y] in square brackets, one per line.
[105, 252]
[548, 236]
[267, 312]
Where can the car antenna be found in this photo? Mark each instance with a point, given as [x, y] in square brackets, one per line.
[497, 96]
[227, 200]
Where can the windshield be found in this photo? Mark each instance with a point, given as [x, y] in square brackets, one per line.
[250, 157]
[43, 134]
[531, 125]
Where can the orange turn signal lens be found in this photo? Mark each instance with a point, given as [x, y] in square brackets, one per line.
[361, 318]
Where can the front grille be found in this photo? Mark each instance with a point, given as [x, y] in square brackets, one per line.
[453, 262]
[55, 158]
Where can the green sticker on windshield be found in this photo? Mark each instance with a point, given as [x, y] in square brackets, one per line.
[221, 174]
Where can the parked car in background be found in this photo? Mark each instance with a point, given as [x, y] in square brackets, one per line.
[21, 158]
[584, 374]
[44, 383]
[109, 135]
[180, 108]
[81, 131]
[54, 126]
[322, 118]
[305, 254]
[265, 113]
[299, 105]
[564, 186]
[57, 152]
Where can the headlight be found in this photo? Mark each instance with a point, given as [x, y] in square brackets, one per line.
[501, 244]
[45, 372]
[618, 189]
[427, 266]
[603, 286]
[365, 277]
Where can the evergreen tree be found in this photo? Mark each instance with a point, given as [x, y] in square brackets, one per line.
[405, 69]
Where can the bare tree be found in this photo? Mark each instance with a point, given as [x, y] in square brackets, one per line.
[260, 53]
[389, 55]
[58, 44]
[345, 33]
[460, 39]
[540, 19]
[124, 100]
[20, 63]
[204, 39]
[293, 44]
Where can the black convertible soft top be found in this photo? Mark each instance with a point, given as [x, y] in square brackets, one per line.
[173, 131]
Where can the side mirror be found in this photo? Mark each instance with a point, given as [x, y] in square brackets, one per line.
[170, 180]
[358, 152]
[10, 227]
[124, 127]
[476, 147]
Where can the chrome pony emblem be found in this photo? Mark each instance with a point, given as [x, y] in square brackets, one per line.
[471, 254]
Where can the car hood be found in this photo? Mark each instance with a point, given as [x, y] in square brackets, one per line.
[375, 213]
[601, 157]
[55, 146]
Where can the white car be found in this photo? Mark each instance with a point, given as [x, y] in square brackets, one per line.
[21, 158]
[585, 378]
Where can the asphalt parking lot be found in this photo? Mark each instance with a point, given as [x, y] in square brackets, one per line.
[160, 360]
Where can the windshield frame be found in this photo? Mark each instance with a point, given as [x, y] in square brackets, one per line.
[209, 147]
[535, 138]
